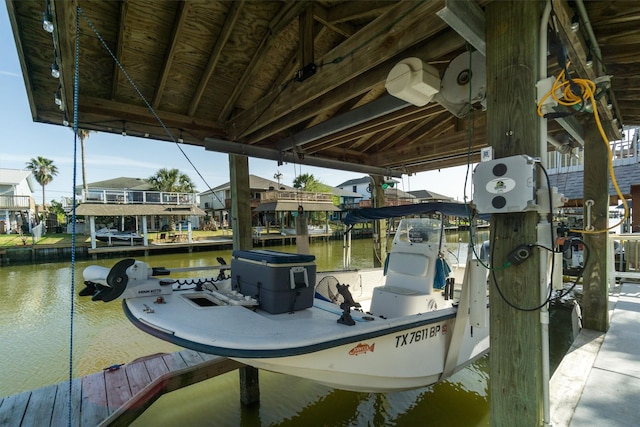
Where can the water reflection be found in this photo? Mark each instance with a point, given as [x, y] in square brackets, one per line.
[290, 401]
[35, 304]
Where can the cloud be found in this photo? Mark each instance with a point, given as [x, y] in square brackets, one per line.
[9, 73]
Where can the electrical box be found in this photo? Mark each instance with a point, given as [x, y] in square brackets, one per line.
[505, 185]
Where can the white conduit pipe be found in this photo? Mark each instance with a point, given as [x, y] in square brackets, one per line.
[543, 228]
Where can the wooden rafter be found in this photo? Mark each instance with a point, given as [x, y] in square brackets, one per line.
[181, 18]
[229, 22]
[91, 105]
[453, 144]
[351, 10]
[286, 15]
[413, 22]
[433, 125]
[321, 15]
[440, 45]
[124, 7]
[397, 118]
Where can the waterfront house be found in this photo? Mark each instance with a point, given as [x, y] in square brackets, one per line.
[17, 206]
[216, 202]
[129, 204]
[392, 195]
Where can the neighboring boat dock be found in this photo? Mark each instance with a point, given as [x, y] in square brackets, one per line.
[35, 253]
[597, 383]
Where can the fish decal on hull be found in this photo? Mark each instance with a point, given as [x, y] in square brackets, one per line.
[361, 349]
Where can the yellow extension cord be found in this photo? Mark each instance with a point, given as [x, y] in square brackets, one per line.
[570, 99]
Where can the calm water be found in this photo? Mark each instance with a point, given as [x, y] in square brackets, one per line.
[34, 346]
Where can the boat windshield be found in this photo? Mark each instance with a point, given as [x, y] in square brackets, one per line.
[418, 230]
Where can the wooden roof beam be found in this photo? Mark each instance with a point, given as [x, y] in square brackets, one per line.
[126, 112]
[232, 16]
[305, 38]
[352, 10]
[434, 124]
[432, 49]
[446, 145]
[321, 15]
[442, 163]
[178, 24]
[388, 121]
[124, 7]
[414, 22]
[286, 15]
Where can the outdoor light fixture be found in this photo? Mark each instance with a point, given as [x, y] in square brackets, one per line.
[55, 69]
[575, 22]
[57, 98]
[589, 61]
[47, 20]
[180, 137]
[124, 129]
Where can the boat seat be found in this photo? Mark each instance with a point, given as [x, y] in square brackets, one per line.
[410, 271]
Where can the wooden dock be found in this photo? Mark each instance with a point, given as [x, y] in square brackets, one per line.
[112, 397]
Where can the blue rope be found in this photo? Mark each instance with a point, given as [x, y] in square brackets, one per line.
[73, 210]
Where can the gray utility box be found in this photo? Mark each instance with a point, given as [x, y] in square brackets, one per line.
[280, 281]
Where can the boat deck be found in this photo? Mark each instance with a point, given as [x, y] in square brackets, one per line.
[115, 397]
[598, 381]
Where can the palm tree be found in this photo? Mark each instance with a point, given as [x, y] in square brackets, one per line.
[306, 182]
[43, 171]
[172, 181]
[83, 134]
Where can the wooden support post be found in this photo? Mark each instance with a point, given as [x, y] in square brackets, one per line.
[513, 128]
[379, 227]
[302, 233]
[595, 302]
[240, 202]
[241, 223]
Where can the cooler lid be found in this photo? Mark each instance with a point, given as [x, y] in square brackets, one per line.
[273, 257]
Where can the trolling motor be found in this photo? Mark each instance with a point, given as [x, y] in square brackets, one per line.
[125, 273]
[346, 305]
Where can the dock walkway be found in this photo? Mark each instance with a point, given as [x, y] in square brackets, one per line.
[598, 381]
[111, 397]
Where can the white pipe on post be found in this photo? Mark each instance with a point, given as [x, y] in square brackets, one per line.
[543, 229]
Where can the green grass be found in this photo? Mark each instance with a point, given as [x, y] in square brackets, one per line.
[63, 239]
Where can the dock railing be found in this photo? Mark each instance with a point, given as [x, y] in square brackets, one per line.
[624, 152]
[624, 263]
[96, 195]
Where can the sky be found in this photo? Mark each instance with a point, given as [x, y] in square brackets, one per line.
[111, 156]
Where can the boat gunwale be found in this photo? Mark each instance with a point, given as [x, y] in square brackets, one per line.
[283, 352]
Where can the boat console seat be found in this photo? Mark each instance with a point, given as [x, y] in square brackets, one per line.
[411, 271]
[408, 286]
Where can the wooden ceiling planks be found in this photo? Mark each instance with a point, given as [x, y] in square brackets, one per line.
[224, 70]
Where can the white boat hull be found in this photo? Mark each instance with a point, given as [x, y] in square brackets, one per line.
[371, 371]
[378, 355]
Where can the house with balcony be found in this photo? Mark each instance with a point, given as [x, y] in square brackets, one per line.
[565, 168]
[217, 201]
[17, 207]
[129, 204]
[347, 201]
[362, 186]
